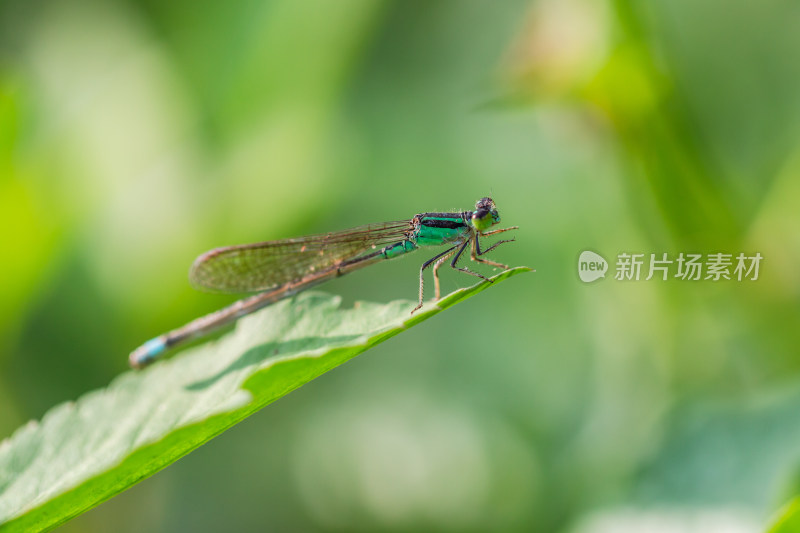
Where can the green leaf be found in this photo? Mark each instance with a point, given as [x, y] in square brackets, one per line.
[83, 453]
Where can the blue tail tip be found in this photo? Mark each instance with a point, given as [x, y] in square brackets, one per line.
[147, 352]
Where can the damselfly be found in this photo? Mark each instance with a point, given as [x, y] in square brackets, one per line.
[278, 269]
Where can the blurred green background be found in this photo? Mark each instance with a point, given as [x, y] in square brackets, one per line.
[136, 134]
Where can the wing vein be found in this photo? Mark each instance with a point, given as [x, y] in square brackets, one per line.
[265, 265]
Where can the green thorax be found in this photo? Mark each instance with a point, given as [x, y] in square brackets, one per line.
[435, 229]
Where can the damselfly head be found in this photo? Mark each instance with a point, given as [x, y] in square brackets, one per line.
[485, 214]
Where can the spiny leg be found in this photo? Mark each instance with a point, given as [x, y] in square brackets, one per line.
[487, 233]
[425, 265]
[476, 251]
[454, 262]
[436, 271]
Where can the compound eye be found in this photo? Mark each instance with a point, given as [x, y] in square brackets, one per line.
[484, 203]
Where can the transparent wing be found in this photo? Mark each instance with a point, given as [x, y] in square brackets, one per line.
[264, 265]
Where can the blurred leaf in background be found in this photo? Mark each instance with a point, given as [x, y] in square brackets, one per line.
[135, 135]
